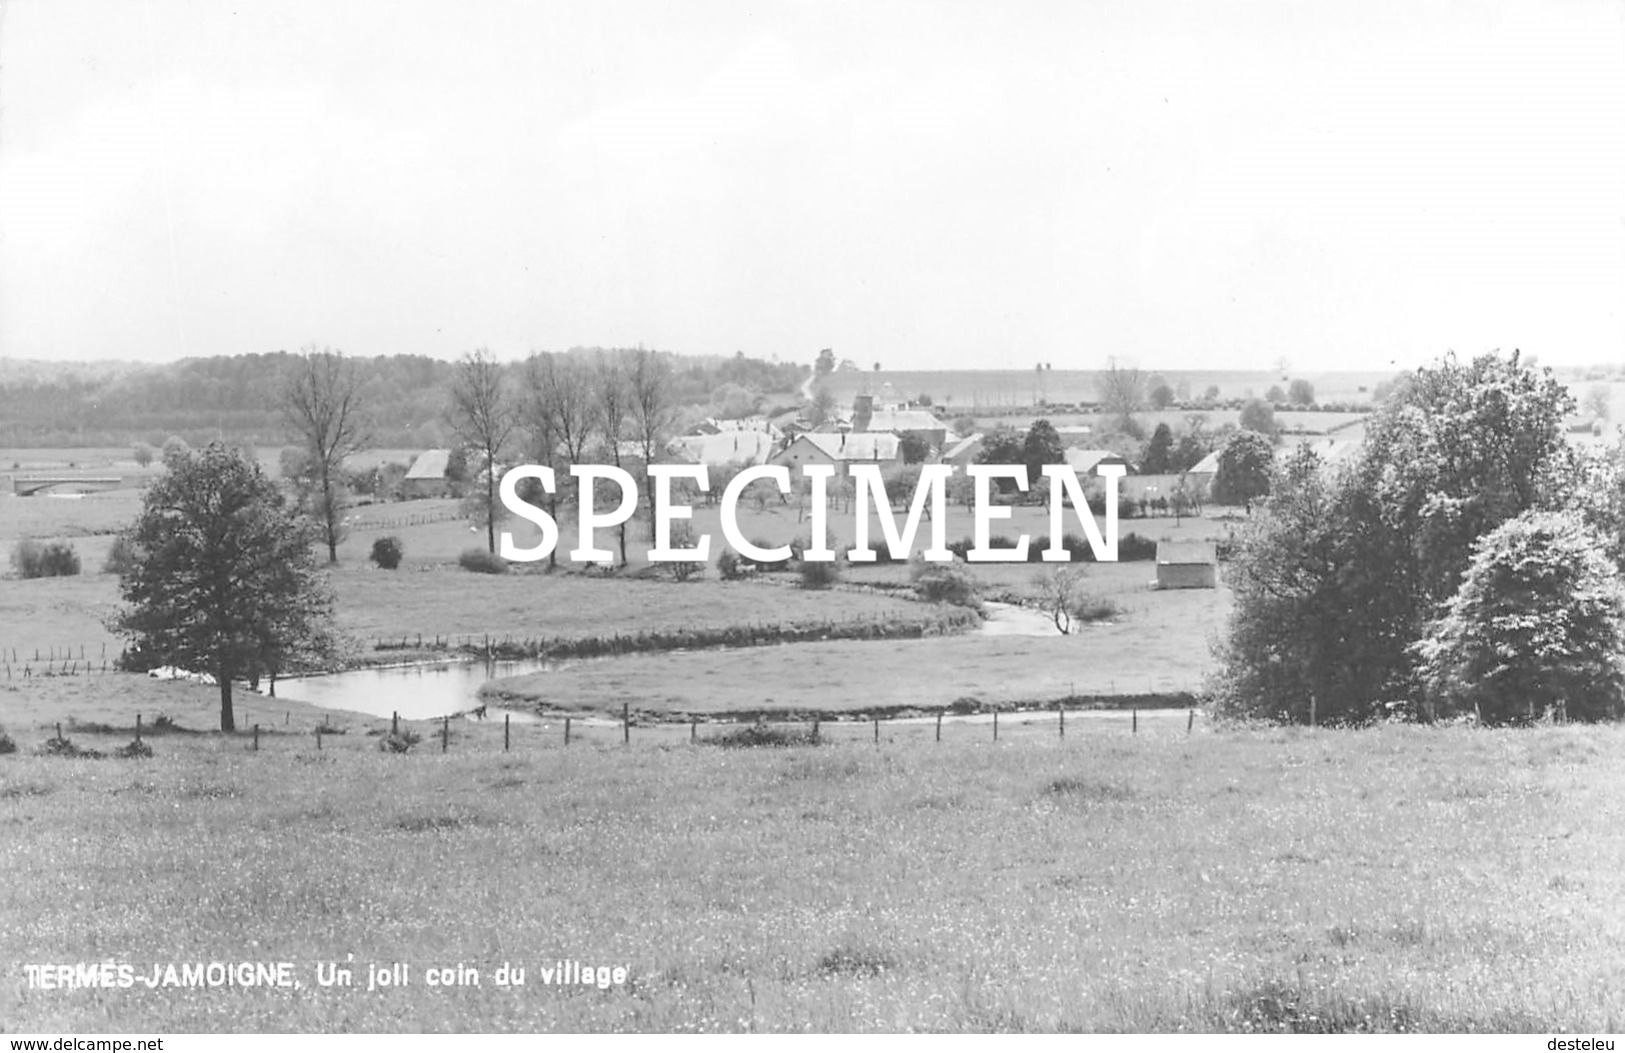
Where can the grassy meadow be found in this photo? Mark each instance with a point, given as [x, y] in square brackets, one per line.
[1398, 878]
[1131, 876]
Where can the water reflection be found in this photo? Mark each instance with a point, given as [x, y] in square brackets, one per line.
[416, 692]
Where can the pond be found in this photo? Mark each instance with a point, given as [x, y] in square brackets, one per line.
[416, 692]
[434, 690]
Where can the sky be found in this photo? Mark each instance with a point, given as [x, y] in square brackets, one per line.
[926, 185]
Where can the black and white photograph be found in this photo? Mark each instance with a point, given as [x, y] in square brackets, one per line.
[811, 516]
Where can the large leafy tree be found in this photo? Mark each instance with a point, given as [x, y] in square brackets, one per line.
[1244, 470]
[1042, 445]
[1457, 450]
[1158, 456]
[1535, 626]
[224, 579]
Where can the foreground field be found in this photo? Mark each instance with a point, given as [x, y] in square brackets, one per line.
[1392, 879]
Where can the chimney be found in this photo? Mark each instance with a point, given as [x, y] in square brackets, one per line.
[863, 408]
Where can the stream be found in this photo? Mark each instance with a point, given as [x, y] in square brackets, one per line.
[429, 691]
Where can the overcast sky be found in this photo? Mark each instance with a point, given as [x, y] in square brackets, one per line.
[1181, 185]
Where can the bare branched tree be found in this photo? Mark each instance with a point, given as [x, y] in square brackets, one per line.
[1122, 391]
[322, 404]
[483, 415]
[653, 412]
[559, 412]
[614, 399]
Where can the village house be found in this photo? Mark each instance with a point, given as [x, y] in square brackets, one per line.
[724, 447]
[842, 449]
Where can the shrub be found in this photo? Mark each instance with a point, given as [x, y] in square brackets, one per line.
[1536, 624]
[480, 561]
[944, 583]
[386, 552]
[682, 536]
[771, 564]
[1132, 548]
[122, 557]
[65, 747]
[134, 750]
[6, 744]
[819, 574]
[398, 741]
[1094, 609]
[37, 559]
[761, 734]
[730, 565]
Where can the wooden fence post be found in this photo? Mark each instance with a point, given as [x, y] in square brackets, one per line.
[1135, 726]
[566, 731]
[626, 723]
[445, 733]
[877, 731]
[318, 738]
[138, 727]
[995, 725]
[256, 736]
[395, 723]
[505, 717]
[693, 731]
[815, 730]
[1190, 721]
[939, 725]
[1062, 708]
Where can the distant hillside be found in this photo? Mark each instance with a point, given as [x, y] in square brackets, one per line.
[235, 397]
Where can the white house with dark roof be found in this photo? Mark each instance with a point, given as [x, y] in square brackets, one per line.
[841, 449]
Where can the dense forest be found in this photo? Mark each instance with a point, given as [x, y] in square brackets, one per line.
[237, 397]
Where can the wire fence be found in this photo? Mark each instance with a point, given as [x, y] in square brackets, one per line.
[476, 732]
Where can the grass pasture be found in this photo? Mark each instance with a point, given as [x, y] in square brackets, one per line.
[1390, 879]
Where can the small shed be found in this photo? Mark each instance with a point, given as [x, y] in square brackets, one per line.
[1187, 565]
[427, 476]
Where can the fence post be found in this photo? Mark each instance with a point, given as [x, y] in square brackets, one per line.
[445, 733]
[1190, 721]
[995, 725]
[59, 729]
[318, 738]
[693, 731]
[505, 717]
[815, 730]
[1062, 708]
[1135, 727]
[138, 727]
[626, 723]
[566, 731]
[395, 723]
[877, 731]
[939, 725]
[256, 736]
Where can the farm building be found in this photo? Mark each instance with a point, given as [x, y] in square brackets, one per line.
[1083, 461]
[1187, 565]
[963, 452]
[724, 447]
[427, 477]
[841, 449]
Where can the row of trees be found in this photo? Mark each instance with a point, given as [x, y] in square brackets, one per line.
[1466, 560]
[619, 407]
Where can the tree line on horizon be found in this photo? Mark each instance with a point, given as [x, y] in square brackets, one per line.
[236, 397]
